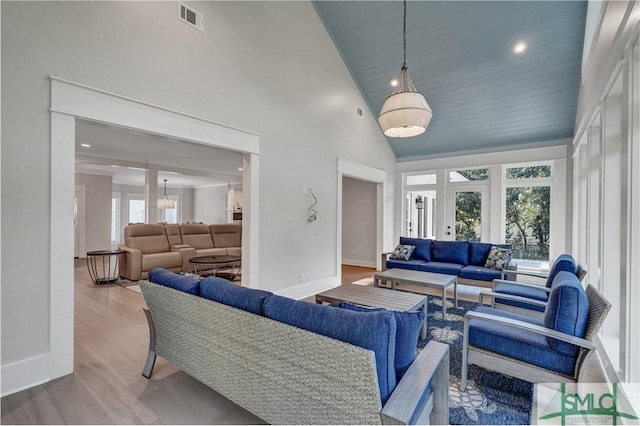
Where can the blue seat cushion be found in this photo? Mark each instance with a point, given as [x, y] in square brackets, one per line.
[441, 268]
[473, 272]
[522, 291]
[517, 343]
[422, 249]
[564, 262]
[478, 253]
[185, 283]
[413, 264]
[451, 252]
[567, 310]
[408, 326]
[224, 291]
[375, 331]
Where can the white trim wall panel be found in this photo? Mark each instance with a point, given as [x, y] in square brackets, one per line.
[609, 100]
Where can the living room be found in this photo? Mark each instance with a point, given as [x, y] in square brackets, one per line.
[266, 80]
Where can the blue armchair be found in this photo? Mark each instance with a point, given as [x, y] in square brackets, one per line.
[522, 297]
[551, 349]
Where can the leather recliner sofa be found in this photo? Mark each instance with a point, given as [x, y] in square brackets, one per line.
[170, 246]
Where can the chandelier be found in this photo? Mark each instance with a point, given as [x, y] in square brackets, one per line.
[164, 202]
[405, 112]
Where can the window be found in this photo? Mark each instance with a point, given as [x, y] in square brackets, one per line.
[170, 215]
[136, 211]
[468, 215]
[528, 210]
[468, 175]
[421, 214]
[528, 172]
[428, 179]
[420, 205]
[527, 221]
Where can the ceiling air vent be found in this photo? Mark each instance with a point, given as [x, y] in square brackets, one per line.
[190, 17]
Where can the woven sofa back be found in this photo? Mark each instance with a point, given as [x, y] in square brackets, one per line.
[280, 373]
[149, 238]
[226, 234]
[196, 235]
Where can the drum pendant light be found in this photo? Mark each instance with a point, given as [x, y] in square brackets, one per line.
[164, 202]
[405, 112]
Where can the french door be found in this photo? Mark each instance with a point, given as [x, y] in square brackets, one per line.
[467, 213]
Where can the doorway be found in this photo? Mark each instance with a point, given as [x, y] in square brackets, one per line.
[359, 199]
[71, 101]
[378, 177]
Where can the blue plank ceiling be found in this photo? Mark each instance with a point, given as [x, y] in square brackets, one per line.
[459, 54]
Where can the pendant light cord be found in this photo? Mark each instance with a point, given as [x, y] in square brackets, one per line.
[404, 36]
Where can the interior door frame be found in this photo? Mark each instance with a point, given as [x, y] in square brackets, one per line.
[71, 101]
[485, 189]
[79, 233]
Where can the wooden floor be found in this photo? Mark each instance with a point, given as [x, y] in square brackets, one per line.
[111, 338]
[111, 341]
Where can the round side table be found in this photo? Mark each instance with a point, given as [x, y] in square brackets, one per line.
[103, 266]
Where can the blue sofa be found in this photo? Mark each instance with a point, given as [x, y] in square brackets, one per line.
[295, 362]
[466, 259]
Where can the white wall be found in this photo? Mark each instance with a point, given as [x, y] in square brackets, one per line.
[210, 204]
[359, 222]
[97, 211]
[268, 68]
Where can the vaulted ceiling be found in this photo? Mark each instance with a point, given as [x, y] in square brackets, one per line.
[459, 54]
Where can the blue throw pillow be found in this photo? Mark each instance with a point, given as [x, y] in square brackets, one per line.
[375, 332]
[185, 283]
[451, 252]
[422, 246]
[407, 332]
[224, 291]
[567, 311]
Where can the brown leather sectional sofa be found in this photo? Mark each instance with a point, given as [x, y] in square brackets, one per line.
[170, 246]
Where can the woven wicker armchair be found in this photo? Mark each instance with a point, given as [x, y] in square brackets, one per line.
[598, 307]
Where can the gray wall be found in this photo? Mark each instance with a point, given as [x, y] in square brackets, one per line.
[210, 204]
[268, 68]
[358, 222]
[97, 231]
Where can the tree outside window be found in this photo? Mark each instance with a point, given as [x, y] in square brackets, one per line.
[527, 214]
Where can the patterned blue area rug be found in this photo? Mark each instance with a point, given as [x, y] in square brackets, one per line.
[490, 398]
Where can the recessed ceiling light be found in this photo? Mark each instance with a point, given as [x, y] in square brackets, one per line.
[240, 169]
[393, 82]
[85, 145]
[520, 47]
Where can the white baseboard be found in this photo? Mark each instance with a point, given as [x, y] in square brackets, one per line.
[310, 289]
[357, 262]
[25, 374]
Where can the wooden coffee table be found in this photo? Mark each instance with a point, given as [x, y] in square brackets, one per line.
[426, 279]
[378, 298]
